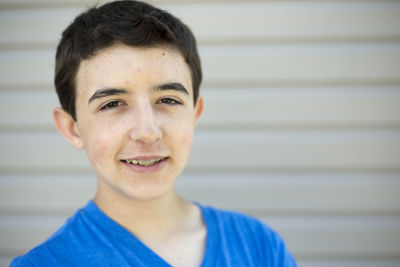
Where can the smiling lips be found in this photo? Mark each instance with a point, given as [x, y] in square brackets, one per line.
[144, 162]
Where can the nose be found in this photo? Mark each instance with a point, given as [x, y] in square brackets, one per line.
[145, 127]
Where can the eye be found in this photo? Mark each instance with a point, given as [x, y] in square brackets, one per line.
[112, 104]
[169, 101]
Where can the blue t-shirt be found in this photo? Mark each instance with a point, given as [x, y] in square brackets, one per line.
[91, 238]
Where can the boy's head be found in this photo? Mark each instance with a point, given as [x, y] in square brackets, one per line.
[128, 76]
[130, 23]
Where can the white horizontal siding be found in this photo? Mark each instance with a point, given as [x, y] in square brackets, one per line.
[306, 20]
[232, 65]
[302, 63]
[239, 22]
[301, 126]
[258, 194]
[302, 107]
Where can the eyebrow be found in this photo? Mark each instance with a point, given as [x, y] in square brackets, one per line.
[172, 86]
[115, 91]
[107, 92]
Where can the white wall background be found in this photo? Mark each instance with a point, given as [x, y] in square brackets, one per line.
[301, 127]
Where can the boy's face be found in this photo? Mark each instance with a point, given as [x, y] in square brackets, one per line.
[135, 119]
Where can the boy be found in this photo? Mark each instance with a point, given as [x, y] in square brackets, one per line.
[128, 78]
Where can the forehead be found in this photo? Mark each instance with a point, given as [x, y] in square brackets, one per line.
[129, 67]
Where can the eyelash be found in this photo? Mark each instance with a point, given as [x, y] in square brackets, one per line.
[117, 103]
[111, 105]
[169, 101]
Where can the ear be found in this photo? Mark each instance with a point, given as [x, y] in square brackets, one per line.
[198, 109]
[67, 126]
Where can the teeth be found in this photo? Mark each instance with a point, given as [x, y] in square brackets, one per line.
[143, 162]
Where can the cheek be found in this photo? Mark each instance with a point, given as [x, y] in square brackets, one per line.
[184, 140]
[182, 129]
[187, 137]
[99, 148]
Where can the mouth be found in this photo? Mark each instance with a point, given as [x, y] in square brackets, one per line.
[144, 162]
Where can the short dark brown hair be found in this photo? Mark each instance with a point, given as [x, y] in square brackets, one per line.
[132, 23]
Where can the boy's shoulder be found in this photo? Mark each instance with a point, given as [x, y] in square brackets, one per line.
[58, 247]
[232, 219]
[242, 236]
[241, 227]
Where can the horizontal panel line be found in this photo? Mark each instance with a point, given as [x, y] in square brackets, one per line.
[292, 169]
[295, 126]
[286, 213]
[50, 90]
[390, 133]
[221, 170]
[210, 127]
[33, 171]
[41, 87]
[321, 213]
[78, 3]
[347, 257]
[18, 4]
[304, 222]
[298, 256]
[358, 262]
[303, 83]
[301, 40]
[233, 42]
[216, 176]
[309, 257]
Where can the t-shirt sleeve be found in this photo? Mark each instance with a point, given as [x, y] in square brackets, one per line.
[281, 255]
[285, 258]
[251, 242]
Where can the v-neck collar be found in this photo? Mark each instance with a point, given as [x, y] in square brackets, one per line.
[129, 240]
[213, 237]
[124, 237]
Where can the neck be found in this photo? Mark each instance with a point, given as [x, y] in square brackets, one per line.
[155, 218]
